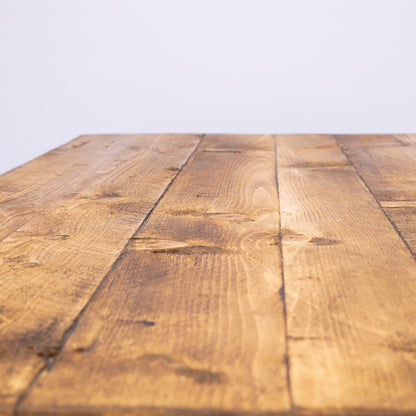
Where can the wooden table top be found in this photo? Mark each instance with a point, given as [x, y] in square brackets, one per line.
[210, 274]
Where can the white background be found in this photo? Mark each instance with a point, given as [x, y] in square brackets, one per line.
[243, 66]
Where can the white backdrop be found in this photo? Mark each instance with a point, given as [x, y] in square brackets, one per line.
[70, 67]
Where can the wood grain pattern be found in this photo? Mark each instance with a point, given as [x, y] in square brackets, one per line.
[53, 177]
[191, 318]
[350, 286]
[51, 265]
[387, 164]
[226, 274]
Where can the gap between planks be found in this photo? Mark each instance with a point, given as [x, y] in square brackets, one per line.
[282, 289]
[49, 362]
[381, 204]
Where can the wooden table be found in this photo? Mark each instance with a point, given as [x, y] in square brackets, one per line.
[210, 274]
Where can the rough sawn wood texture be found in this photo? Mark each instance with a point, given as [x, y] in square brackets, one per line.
[210, 274]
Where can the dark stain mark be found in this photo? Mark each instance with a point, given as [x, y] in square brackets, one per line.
[208, 195]
[15, 259]
[276, 238]
[173, 169]
[192, 250]
[144, 322]
[320, 241]
[201, 376]
[286, 359]
[57, 237]
[30, 264]
[308, 278]
[403, 346]
[198, 375]
[132, 322]
[134, 148]
[42, 341]
[282, 293]
[110, 285]
[139, 237]
[222, 150]
[246, 220]
[109, 195]
[320, 164]
[75, 145]
[87, 348]
[48, 351]
[300, 338]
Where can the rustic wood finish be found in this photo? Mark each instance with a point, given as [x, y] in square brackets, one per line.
[192, 274]
[388, 166]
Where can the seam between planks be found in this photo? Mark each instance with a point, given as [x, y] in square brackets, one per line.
[49, 362]
[282, 289]
[371, 193]
[176, 411]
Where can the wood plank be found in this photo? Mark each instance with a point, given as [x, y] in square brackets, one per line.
[51, 265]
[404, 219]
[191, 319]
[59, 174]
[25, 190]
[388, 167]
[349, 288]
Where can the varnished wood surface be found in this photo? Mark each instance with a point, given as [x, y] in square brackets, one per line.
[210, 274]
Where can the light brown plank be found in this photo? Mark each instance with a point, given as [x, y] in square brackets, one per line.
[191, 318]
[386, 163]
[51, 265]
[404, 219]
[350, 287]
[27, 189]
[388, 167]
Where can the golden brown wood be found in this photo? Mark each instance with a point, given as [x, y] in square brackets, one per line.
[350, 286]
[387, 164]
[52, 264]
[191, 317]
[53, 177]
